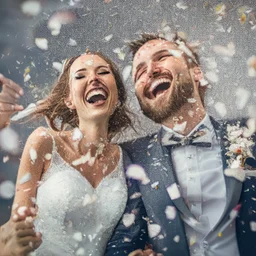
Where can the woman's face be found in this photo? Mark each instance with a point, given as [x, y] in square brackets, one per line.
[93, 90]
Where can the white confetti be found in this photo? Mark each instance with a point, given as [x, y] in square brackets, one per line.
[175, 53]
[87, 158]
[126, 72]
[21, 210]
[24, 113]
[128, 219]
[7, 189]
[253, 226]
[242, 97]
[181, 5]
[120, 53]
[77, 134]
[220, 107]
[108, 38]
[236, 173]
[176, 239]
[170, 212]
[31, 8]
[212, 76]
[9, 140]
[72, 42]
[78, 236]
[137, 172]
[173, 191]
[80, 251]
[155, 184]
[180, 127]
[135, 195]
[251, 63]
[33, 155]
[25, 178]
[228, 51]
[42, 43]
[48, 156]
[5, 159]
[27, 78]
[153, 230]
[251, 127]
[57, 66]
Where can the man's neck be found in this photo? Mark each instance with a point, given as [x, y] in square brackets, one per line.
[186, 119]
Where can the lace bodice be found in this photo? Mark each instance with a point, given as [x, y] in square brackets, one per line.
[75, 218]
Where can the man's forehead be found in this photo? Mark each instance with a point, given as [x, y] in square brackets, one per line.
[151, 47]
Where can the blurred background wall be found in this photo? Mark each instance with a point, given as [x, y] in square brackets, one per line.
[37, 35]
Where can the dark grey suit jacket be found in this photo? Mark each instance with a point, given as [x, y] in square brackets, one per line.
[156, 161]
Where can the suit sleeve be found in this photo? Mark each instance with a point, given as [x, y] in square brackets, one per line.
[126, 239]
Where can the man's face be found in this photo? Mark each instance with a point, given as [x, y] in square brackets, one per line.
[162, 79]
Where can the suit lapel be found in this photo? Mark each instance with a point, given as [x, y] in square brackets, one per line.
[233, 186]
[168, 176]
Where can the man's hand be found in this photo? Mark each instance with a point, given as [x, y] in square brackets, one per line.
[18, 237]
[9, 95]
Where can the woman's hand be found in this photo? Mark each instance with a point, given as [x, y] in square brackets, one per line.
[18, 237]
[9, 95]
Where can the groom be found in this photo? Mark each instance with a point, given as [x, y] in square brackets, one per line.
[195, 165]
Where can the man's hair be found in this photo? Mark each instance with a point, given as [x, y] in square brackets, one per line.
[135, 45]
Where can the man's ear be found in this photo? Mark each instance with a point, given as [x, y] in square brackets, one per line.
[198, 74]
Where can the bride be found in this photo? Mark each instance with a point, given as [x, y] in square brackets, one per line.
[76, 177]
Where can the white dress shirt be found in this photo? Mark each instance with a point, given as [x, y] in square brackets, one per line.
[199, 171]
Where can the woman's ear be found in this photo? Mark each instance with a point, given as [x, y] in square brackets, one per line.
[69, 103]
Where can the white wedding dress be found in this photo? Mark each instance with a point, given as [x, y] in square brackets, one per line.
[75, 218]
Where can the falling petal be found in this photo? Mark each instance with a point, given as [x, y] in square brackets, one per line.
[57, 66]
[251, 63]
[21, 210]
[220, 107]
[137, 172]
[42, 43]
[77, 134]
[5, 159]
[31, 8]
[78, 236]
[135, 195]
[212, 76]
[236, 173]
[176, 239]
[126, 72]
[108, 38]
[242, 18]
[33, 155]
[153, 230]
[128, 219]
[27, 78]
[155, 185]
[253, 226]
[228, 50]
[80, 251]
[170, 212]
[25, 178]
[242, 97]
[173, 191]
[7, 189]
[181, 5]
[72, 42]
[9, 140]
[191, 100]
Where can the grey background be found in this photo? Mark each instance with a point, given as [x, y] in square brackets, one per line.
[124, 19]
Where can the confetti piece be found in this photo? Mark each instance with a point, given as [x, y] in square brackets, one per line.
[80, 251]
[170, 212]
[236, 173]
[120, 53]
[42, 43]
[9, 140]
[78, 236]
[242, 18]
[21, 210]
[126, 72]
[7, 189]
[48, 156]
[31, 8]
[175, 53]
[228, 50]
[220, 9]
[251, 63]
[5, 159]
[27, 78]
[253, 226]
[135, 195]
[180, 127]
[137, 172]
[191, 100]
[128, 219]
[242, 97]
[57, 66]
[220, 107]
[212, 76]
[155, 185]
[173, 191]
[72, 42]
[87, 158]
[24, 113]
[25, 178]
[33, 155]
[192, 240]
[108, 38]
[176, 239]
[153, 230]
[181, 5]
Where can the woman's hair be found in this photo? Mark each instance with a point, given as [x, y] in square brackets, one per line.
[54, 107]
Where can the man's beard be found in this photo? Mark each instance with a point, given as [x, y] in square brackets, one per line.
[182, 91]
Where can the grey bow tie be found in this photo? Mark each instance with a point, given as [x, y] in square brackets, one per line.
[200, 137]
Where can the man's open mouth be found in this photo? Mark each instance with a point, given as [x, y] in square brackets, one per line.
[96, 96]
[158, 87]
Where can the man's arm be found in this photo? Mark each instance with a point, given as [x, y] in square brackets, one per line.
[9, 95]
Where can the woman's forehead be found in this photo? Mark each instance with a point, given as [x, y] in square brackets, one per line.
[87, 61]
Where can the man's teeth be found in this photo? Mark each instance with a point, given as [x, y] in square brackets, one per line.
[96, 92]
[159, 81]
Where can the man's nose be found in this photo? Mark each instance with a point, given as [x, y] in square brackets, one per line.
[153, 69]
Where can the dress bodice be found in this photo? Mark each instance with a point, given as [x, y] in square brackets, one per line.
[75, 218]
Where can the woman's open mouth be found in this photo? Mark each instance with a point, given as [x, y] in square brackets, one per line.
[97, 96]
